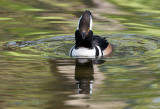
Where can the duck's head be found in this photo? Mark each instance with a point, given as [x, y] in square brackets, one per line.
[84, 28]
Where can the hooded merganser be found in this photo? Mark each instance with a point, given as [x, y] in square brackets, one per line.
[87, 44]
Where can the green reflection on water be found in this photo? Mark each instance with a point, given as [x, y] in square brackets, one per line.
[17, 6]
[138, 4]
[142, 18]
[4, 18]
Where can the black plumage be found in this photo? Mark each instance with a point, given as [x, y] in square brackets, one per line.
[101, 42]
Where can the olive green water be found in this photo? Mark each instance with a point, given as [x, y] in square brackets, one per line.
[37, 73]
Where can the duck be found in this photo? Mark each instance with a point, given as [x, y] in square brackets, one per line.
[87, 44]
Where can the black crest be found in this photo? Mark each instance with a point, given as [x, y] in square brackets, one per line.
[85, 21]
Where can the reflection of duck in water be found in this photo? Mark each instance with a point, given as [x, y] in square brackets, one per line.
[84, 75]
[81, 70]
[86, 43]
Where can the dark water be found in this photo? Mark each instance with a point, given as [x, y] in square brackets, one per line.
[37, 73]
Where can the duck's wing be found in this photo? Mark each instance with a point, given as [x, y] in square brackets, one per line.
[101, 42]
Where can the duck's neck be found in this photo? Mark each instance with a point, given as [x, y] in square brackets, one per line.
[87, 42]
[84, 43]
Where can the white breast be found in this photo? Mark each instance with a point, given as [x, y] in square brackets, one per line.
[82, 52]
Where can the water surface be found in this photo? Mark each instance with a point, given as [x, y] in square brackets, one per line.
[37, 73]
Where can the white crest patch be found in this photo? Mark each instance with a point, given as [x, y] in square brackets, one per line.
[78, 23]
[90, 25]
